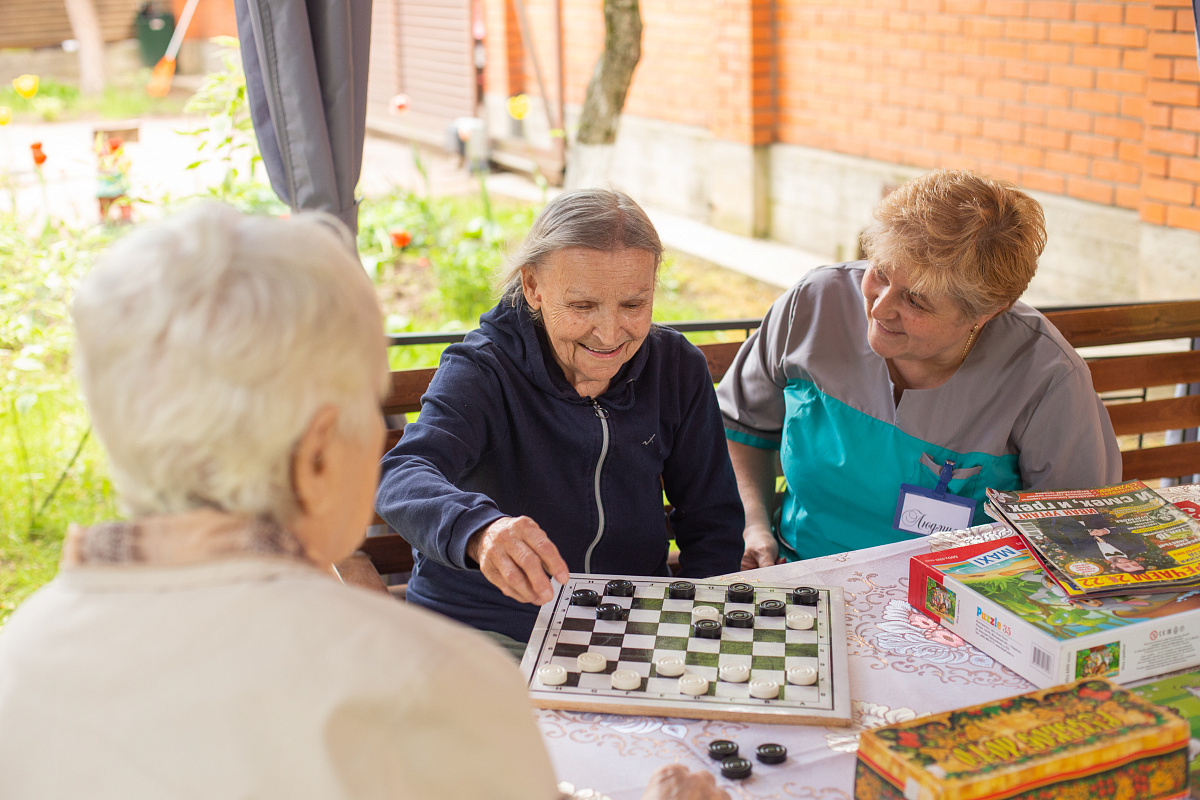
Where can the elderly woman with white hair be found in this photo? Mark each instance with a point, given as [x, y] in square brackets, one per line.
[547, 439]
[233, 368]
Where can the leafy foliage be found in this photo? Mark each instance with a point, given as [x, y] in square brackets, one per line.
[463, 240]
[227, 136]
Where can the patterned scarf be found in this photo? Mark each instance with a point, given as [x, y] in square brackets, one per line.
[191, 537]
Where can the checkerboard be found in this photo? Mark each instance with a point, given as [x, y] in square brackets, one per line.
[659, 625]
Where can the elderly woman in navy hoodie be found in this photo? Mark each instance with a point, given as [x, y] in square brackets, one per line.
[547, 438]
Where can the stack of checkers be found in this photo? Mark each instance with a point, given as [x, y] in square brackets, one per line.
[736, 767]
[727, 643]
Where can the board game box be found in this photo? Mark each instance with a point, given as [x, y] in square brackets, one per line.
[1089, 739]
[714, 649]
[996, 596]
[1180, 693]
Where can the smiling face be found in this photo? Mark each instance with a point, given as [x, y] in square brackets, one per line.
[924, 338]
[596, 307]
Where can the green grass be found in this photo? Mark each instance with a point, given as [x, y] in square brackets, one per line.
[53, 473]
[56, 102]
[36, 449]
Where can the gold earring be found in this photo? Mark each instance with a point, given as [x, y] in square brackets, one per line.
[970, 341]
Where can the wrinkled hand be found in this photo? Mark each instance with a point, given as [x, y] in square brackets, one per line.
[761, 549]
[674, 782]
[515, 554]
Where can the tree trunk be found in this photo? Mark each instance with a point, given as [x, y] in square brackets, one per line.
[85, 26]
[610, 81]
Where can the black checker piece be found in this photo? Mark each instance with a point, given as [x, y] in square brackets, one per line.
[739, 593]
[611, 611]
[772, 608]
[804, 596]
[619, 588]
[739, 619]
[682, 590]
[585, 597]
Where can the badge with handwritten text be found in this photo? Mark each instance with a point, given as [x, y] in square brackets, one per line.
[927, 511]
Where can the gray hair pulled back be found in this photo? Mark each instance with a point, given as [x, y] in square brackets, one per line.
[596, 219]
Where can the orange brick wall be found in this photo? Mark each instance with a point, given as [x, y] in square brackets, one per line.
[1172, 171]
[1071, 98]
[1095, 100]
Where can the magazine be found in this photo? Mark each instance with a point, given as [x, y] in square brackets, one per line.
[1118, 539]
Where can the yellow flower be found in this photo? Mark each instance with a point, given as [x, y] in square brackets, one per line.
[518, 106]
[26, 85]
[5, 115]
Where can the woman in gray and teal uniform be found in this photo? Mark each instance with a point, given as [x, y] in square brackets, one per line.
[916, 365]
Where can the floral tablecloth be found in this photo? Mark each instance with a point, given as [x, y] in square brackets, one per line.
[901, 665]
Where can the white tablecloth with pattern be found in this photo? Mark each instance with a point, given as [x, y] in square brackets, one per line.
[901, 665]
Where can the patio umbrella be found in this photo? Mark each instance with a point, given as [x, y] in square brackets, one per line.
[306, 82]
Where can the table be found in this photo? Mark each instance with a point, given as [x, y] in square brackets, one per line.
[902, 665]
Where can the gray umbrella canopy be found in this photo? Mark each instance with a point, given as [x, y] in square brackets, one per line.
[306, 83]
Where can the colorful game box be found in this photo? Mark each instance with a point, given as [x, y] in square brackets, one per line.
[1180, 693]
[1090, 739]
[715, 649]
[997, 597]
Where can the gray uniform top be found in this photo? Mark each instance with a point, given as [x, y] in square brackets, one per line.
[1021, 408]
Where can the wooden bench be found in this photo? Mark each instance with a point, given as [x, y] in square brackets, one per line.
[1137, 388]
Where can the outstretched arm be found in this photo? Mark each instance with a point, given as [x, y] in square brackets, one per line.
[755, 470]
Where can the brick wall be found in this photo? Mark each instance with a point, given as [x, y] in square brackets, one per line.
[1072, 98]
[1091, 100]
[1171, 179]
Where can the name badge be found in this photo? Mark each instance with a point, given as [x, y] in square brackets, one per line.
[926, 511]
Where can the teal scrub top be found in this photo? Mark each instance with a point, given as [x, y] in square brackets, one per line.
[1019, 413]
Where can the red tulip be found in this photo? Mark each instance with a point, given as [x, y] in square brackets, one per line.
[400, 239]
[39, 157]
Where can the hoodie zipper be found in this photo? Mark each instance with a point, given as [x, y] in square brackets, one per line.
[602, 414]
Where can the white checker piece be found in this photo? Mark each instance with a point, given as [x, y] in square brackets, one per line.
[659, 626]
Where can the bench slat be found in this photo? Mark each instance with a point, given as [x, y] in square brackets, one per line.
[389, 553]
[1168, 461]
[1090, 327]
[1136, 372]
[720, 356]
[407, 387]
[1152, 416]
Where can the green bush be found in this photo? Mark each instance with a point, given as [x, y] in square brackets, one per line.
[52, 471]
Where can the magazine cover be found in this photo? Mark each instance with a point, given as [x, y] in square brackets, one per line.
[1182, 694]
[996, 596]
[1090, 739]
[1110, 540]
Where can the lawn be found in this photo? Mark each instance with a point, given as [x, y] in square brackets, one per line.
[53, 472]
[432, 260]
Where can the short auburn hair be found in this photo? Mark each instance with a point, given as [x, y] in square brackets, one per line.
[959, 235]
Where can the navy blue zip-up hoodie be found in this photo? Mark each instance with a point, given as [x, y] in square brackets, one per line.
[502, 433]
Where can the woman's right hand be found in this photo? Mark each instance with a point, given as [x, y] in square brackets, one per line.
[674, 782]
[761, 548]
[515, 554]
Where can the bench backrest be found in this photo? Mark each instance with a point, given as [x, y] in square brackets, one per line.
[1128, 383]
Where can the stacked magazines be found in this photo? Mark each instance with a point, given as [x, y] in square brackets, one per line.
[1114, 540]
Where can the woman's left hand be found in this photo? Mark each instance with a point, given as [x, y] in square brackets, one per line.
[761, 549]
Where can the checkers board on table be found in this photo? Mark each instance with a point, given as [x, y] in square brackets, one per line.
[651, 627]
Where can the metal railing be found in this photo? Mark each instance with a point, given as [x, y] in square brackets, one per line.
[696, 326]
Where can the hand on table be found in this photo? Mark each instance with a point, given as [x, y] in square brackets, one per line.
[674, 782]
[515, 554]
[761, 549]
